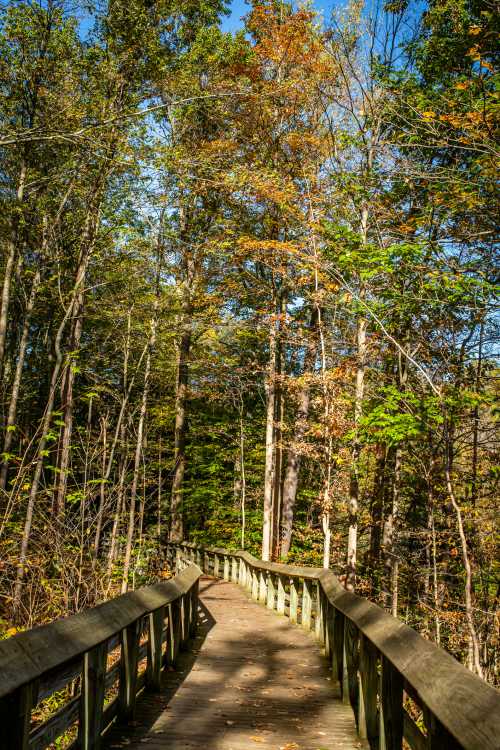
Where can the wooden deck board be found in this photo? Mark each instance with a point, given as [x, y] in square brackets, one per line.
[251, 681]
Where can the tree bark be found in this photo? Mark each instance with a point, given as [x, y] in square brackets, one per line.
[12, 249]
[16, 385]
[267, 524]
[294, 453]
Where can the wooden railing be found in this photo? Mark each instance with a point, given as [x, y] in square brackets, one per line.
[102, 657]
[401, 687]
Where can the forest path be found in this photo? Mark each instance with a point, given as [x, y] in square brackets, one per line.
[252, 680]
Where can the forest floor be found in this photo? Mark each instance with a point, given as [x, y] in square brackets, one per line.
[251, 680]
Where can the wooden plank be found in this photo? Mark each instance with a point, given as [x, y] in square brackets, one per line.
[28, 656]
[92, 697]
[53, 728]
[57, 679]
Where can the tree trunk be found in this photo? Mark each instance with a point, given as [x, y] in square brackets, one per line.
[294, 453]
[16, 385]
[138, 452]
[67, 406]
[352, 540]
[267, 525]
[12, 249]
[474, 658]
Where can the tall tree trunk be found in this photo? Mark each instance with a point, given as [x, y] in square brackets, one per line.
[12, 250]
[138, 452]
[89, 235]
[294, 452]
[352, 539]
[176, 512]
[270, 385]
[474, 658]
[16, 385]
[67, 406]
[142, 416]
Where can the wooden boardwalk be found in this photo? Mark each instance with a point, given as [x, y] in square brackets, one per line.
[252, 680]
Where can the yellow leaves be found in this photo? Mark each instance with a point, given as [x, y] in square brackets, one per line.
[429, 115]
[487, 65]
[474, 53]
[474, 30]
[462, 85]
[10, 632]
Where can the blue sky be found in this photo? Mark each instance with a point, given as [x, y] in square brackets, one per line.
[239, 8]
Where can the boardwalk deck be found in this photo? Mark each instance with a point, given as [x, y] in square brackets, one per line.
[251, 681]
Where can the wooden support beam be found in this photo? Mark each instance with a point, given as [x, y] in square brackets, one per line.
[391, 707]
[92, 697]
[128, 672]
[368, 720]
[306, 604]
[15, 717]
[154, 664]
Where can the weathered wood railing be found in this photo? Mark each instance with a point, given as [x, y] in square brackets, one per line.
[106, 655]
[400, 686]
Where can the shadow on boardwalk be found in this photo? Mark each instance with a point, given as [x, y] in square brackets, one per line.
[252, 680]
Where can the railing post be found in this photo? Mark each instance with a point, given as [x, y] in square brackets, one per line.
[368, 715]
[270, 591]
[391, 707]
[193, 625]
[327, 626]
[319, 625]
[184, 605]
[280, 599]
[92, 697]
[234, 569]
[438, 738]
[156, 625]
[262, 586]
[128, 671]
[294, 600]
[241, 579]
[344, 675]
[255, 584]
[338, 649]
[216, 565]
[15, 717]
[352, 662]
[226, 568]
[306, 605]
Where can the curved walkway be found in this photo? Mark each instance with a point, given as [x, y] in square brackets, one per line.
[251, 681]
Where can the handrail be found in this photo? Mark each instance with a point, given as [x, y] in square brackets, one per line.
[99, 652]
[400, 686]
